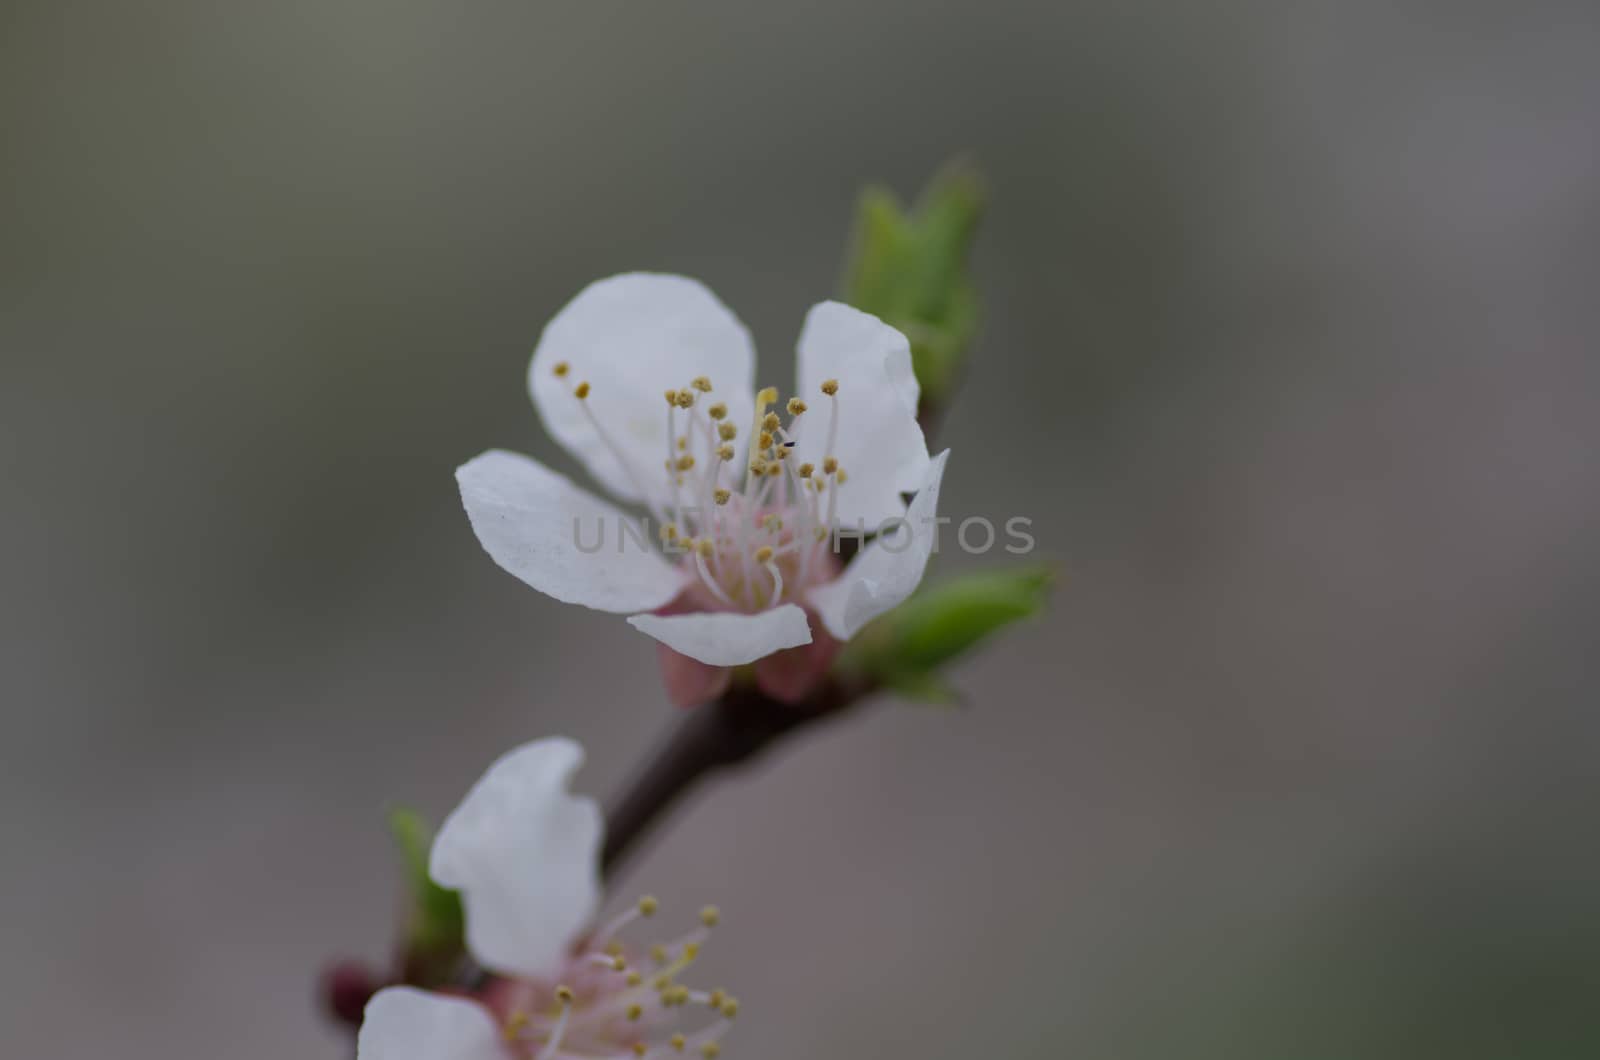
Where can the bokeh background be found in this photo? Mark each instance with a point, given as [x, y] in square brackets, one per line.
[1290, 353]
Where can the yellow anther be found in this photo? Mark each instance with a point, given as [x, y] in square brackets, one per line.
[581, 391]
[771, 522]
[705, 547]
[669, 532]
[830, 387]
[796, 406]
[829, 465]
[619, 963]
[767, 396]
[710, 916]
[717, 411]
[711, 1050]
[648, 905]
[721, 496]
[727, 432]
[613, 948]
[661, 982]
[672, 397]
[841, 477]
[764, 441]
[770, 421]
[691, 952]
[820, 533]
[783, 452]
[685, 462]
[635, 1011]
[701, 383]
[640, 1048]
[514, 1025]
[718, 996]
[725, 452]
[729, 1008]
[774, 470]
[685, 398]
[683, 443]
[678, 1041]
[658, 954]
[805, 470]
[763, 553]
[561, 369]
[758, 466]
[634, 978]
[564, 994]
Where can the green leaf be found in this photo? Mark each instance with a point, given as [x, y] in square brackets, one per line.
[906, 648]
[910, 270]
[435, 924]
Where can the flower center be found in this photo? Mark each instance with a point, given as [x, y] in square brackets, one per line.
[753, 535]
[607, 1008]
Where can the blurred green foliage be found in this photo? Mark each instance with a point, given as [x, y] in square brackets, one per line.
[905, 649]
[435, 925]
[909, 268]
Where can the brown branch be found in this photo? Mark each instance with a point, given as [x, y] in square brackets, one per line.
[724, 734]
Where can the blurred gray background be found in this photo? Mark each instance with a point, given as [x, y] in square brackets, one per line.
[1289, 352]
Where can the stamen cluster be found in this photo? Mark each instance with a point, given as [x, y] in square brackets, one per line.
[752, 533]
[608, 1008]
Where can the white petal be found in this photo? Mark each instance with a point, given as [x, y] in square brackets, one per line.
[404, 1023]
[727, 638]
[523, 851]
[888, 570]
[879, 442]
[561, 539]
[632, 338]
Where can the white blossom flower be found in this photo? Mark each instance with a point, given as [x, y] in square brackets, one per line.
[647, 379]
[523, 853]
